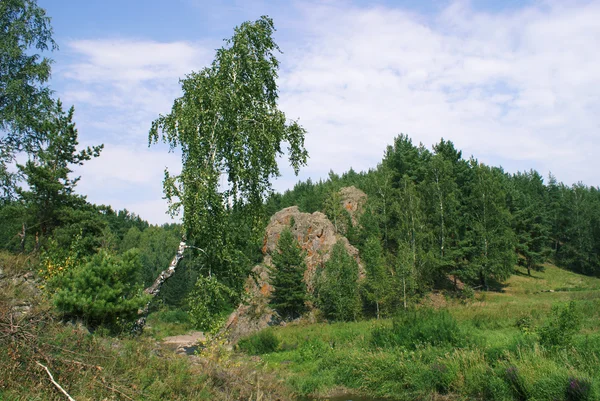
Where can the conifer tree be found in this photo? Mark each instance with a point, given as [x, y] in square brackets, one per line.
[47, 172]
[288, 277]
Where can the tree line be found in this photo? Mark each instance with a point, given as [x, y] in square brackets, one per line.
[434, 218]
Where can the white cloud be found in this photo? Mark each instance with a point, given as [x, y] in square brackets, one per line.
[518, 87]
[514, 86]
[129, 178]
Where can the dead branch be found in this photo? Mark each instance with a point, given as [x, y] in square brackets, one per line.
[55, 383]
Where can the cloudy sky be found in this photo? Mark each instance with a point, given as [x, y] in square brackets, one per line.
[514, 83]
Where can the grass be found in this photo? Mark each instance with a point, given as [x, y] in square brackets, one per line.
[102, 367]
[500, 346]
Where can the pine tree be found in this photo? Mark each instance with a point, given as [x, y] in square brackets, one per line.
[530, 221]
[102, 291]
[490, 238]
[47, 173]
[288, 277]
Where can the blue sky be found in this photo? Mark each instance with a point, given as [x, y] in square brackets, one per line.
[515, 83]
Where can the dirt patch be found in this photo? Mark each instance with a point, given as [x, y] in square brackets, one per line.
[185, 344]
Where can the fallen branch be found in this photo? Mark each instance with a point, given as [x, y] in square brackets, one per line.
[55, 383]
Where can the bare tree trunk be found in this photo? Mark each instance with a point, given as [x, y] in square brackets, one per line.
[404, 290]
[23, 237]
[154, 289]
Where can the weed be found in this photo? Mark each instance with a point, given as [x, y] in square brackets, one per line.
[263, 342]
[417, 327]
[562, 326]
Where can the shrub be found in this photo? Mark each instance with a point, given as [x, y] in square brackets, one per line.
[518, 385]
[208, 303]
[578, 390]
[102, 291]
[419, 326]
[263, 342]
[562, 326]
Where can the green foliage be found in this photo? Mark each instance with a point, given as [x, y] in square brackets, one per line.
[208, 302]
[578, 390]
[337, 286]
[263, 342]
[102, 291]
[289, 292]
[24, 97]
[376, 287]
[47, 174]
[227, 124]
[337, 214]
[564, 323]
[416, 327]
[530, 220]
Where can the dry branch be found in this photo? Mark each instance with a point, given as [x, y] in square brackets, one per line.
[55, 383]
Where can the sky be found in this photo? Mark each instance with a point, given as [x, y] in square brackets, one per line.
[514, 83]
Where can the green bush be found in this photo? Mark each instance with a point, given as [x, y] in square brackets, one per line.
[578, 390]
[562, 326]
[263, 342]
[419, 327]
[209, 302]
[102, 291]
[519, 387]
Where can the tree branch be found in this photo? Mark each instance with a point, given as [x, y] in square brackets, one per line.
[62, 390]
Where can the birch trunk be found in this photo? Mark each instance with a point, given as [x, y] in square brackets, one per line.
[154, 289]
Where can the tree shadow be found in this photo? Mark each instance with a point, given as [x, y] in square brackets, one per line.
[518, 272]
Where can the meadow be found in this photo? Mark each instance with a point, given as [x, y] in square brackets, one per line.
[537, 338]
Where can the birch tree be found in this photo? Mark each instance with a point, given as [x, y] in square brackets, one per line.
[230, 133]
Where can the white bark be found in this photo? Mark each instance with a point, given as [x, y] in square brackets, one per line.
[62, 390]
[154, 289]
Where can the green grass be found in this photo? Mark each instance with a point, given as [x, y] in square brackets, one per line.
[488, 349]
[102, 367]
[166, 323]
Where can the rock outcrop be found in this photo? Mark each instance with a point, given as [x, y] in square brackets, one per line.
[353, 201]
[316, 235]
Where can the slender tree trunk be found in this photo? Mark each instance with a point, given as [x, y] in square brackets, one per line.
[23, 237]
[377, 305]
[404, 290]
[154, 289]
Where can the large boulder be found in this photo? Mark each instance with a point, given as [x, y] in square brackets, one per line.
[316, 235]
[353, 201]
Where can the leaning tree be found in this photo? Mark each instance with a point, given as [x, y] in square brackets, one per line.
[230, 133]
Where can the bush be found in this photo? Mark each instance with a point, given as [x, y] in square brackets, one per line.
[102, 291]
[419, 327]
[562, 326]
[208, 303]
[578, 390]
[263, 342]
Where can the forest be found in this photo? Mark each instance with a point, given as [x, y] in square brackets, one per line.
[79, 280]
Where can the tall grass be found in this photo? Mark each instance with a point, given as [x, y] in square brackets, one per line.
[504, 346]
